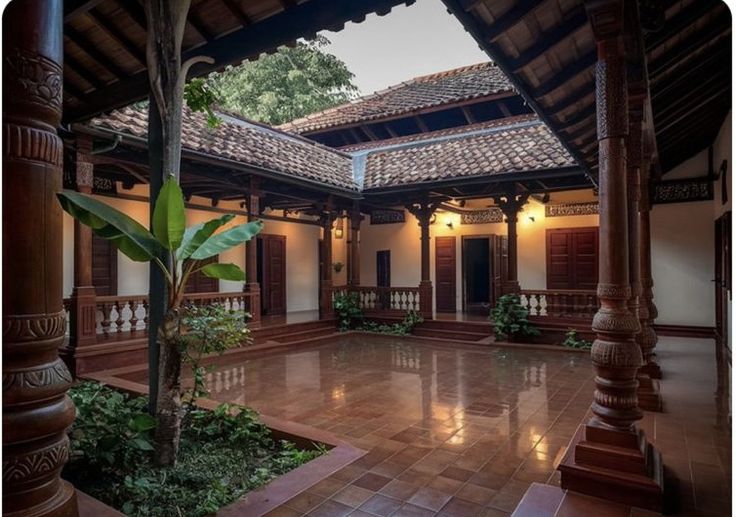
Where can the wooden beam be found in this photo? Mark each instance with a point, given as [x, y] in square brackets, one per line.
[196, 23]
[237, 12]
[686, 110]
[136, 12]
[684, 19]
[558, 79]
[420, 123]
[368, 131]
[79, 69]
[234, 47]
[469, 117]
[118, 36]
[588, 89]
[510, 18]
[701, 68]
[90, 49]
[575, 21]
[73, 8]
[504, 109]
[390, 131]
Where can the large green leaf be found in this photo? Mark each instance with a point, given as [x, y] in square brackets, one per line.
[223, 241]
[195, 235]
[168, 215]
[129, 236]
[224, 272]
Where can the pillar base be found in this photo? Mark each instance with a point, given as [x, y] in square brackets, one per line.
[652, 370]
[613, 465]
[648, 392]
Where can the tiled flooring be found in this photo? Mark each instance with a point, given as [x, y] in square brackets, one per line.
[458, 431]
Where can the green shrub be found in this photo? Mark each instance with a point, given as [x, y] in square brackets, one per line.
[402, 328]
[572, 341]
[206, 330]
[347, 307]
[224, 454]
[510, 318]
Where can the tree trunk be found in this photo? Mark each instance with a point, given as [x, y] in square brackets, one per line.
[168, 404]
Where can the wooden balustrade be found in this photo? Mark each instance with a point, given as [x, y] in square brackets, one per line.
[555, 303]
[127, 316]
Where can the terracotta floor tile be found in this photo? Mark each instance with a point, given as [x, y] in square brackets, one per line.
[409, 510]
[381, 505]
[429, 498]
[305, 501]
[352, 496]
[399, 490]
[284, 511]
[453, 472]
[457, 507]
[476, 494]
[372, 481]
[446, 485]
[331, 509]
[327, 487]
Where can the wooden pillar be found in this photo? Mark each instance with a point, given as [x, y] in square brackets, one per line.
[511, 205]
[354, 247]
[83, 307]
[36, 408]
[423, 211]
[251, 254]
[327, 219]
[648, 390]
[647, 338]
[609, 457]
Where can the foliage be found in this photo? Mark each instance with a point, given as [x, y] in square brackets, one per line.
[225, 453]
[510, 318]
[207, 330]
[200, 96]
[403, 328]
[291, 83]
[573, 341]
[184, 249]
[347, 307]
[337, 266]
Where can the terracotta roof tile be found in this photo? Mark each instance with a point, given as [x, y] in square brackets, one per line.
[451, 86]
[520, 146]
[248, 143]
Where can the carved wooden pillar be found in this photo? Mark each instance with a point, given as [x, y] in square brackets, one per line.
[423, 211]
[327, 219]
[647, 338]
[354, 247]
[609, 457]
[251, 255]
[648, 391]
[83, 308]
[36, 409]
[511, 205]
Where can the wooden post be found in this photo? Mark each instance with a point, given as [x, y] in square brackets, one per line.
[327, 219]
[647, 338]
[511, 205]
[251, 254]
[423, 211]
[354, 246]
[83, 309]
[609, 457]
[36, 408]
[648, 390]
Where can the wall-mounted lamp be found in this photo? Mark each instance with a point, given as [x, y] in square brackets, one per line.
[531, 218]
[339, 228]
[448, 222]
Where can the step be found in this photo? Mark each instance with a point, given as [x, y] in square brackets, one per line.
[455, 335]
[293, 327]
[463, 326]
[303, 335]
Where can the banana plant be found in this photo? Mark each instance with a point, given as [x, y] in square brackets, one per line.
[185, 248]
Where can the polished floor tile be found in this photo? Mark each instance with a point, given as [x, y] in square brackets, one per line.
[466, 430]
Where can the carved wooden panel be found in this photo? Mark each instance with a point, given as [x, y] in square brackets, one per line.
[683, 191]
[387, 216]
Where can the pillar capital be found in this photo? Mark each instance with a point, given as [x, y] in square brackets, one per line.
[511, 204]
[423, 210]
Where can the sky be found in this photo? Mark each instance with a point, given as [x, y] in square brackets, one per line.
[420, 39]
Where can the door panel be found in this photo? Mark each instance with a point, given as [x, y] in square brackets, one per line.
[383, 268]
[477, 275]
[445, 270]
[274, 273]
[498, 266]
[199, 283]
[104, 267]
[572, 258]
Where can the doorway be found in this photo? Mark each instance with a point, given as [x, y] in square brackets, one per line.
[477, 274]
[383, 268]
[272, 273]
[445, 269]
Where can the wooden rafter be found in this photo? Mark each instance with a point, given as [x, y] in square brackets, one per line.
[90, 49]
[510, 18]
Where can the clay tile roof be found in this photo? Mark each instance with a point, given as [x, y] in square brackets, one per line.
[488, 149]
[248, 143]
[447, 87]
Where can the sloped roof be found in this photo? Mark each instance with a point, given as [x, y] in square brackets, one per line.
[521, 144]
[246, 142]
[460, 84]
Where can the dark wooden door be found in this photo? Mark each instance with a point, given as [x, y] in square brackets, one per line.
[723, 277]
[383, 268]
[572, 258]
[444, 273]
[499, 266]
[104, 267]
[274, 274]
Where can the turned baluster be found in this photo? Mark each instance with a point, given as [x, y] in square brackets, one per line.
[145, 313]
[133, 316]
[119, 321]
[106, 318]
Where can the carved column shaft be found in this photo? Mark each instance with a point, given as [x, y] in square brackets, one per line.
[647, 338]
[36, 409]
[327, 219]
[634, 157]
[615, 354]
[511, 205]
[423, 212]
[354, 248]
[251, 286]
